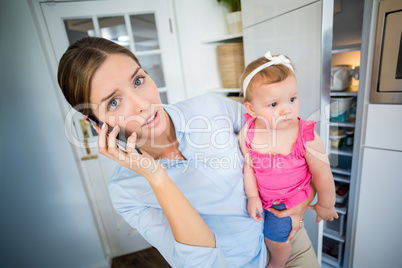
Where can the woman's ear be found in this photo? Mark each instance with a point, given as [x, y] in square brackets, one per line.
[250, 109]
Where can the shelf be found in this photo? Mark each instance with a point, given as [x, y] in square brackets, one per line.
[349, 92]
[329, 260]
[341, 171]
[334, 237]
[223, 38]
[347, 48]
[340, 164]
[348, 123]
[341, 210]
[341, 178]
[341, 152]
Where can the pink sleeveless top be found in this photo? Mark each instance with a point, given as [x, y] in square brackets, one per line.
[285, 178]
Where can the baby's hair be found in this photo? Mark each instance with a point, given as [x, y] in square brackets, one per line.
[269, 75]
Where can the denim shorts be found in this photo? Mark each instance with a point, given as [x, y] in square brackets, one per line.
[277, 229]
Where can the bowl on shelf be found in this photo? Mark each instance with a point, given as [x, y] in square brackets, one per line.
[340, 77]
[340, 108]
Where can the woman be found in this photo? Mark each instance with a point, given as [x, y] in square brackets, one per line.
[184, 193]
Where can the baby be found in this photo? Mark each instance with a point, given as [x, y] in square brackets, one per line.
[282, 153]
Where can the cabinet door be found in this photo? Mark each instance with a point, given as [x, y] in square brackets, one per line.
[298, 35]
[378, 232]
[256, 11]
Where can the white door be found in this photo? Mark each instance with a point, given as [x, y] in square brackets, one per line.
[145, 28]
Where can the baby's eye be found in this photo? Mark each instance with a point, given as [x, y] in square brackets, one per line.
[138, 81]
[292, 99]
[113, 103]
[273, 104]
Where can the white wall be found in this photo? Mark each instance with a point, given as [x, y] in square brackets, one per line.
[46, 220]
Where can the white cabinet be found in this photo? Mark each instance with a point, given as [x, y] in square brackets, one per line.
[384, 127]
[260, 10]
[296, 34]
[378, 234]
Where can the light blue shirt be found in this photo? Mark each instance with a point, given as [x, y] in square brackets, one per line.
[211, 178]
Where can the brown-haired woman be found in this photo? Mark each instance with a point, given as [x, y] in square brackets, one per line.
[184, 193]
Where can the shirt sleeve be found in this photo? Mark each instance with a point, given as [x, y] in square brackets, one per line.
[234, 110]
[153, 225]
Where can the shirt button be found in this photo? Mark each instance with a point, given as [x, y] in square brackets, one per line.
[298, 188]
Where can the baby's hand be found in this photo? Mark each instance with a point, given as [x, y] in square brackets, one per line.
[254, 208]
[324, 213]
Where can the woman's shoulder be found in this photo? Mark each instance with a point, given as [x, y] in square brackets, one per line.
[208, 104]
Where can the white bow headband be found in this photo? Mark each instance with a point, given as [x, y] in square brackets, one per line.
[272, 61]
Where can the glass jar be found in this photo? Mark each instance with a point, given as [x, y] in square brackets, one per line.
[349, 137]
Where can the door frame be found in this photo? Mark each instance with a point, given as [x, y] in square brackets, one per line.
[51, 62]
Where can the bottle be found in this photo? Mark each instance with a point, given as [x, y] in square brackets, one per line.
[349, 137]
[352, 112]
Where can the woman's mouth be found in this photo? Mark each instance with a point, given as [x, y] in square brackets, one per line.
[152, 121]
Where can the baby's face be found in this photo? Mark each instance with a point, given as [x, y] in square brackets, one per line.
[276, 104]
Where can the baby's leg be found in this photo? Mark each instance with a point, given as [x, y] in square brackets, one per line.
[279, 253]
[276, 232]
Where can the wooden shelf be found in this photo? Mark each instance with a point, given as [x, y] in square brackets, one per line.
[231, 37]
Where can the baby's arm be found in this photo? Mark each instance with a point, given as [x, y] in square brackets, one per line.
[254, 206]
[318, 163]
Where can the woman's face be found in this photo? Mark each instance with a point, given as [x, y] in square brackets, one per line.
[123, 94]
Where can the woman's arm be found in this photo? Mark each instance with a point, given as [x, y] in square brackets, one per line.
[152, 224]
[318, 163]
[186, 224]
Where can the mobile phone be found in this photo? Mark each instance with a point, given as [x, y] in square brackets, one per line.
[121, 138]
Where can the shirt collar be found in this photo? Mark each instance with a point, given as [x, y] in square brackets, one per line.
[178, 119]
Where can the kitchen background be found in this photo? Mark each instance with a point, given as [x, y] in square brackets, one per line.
[55, 210]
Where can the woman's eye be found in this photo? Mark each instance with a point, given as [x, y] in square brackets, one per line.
[273, 104]
[138, 81]
[113, 103]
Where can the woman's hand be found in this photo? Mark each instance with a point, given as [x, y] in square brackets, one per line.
[254, 208]
[296, 213]
[142, 164]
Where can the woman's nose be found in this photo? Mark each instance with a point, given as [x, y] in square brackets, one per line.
[138, 104]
